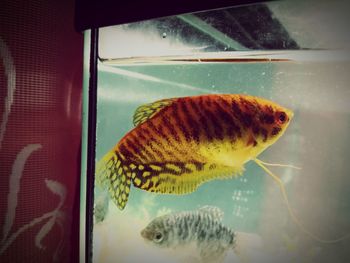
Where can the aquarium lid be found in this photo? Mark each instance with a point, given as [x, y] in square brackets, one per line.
[100, 13]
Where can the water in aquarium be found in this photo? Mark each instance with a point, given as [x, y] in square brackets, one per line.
[213, 148]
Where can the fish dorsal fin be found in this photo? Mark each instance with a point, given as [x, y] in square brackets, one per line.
[215, 212]
[147, 111]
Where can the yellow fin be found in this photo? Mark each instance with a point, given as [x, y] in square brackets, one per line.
[110, 173]
[291, 211]
[147, 111]
[103, 169]
[188, 182]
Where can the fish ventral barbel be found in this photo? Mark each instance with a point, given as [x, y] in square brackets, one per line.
[179, 143]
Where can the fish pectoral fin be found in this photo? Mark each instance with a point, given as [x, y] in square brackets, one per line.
[147, 111]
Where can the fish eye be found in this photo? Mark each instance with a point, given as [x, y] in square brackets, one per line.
[281, 117]
[158, 237]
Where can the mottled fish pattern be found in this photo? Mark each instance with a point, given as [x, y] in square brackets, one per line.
[203, 228]
[180, 143]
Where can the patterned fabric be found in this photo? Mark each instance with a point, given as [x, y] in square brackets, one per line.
[40, 131]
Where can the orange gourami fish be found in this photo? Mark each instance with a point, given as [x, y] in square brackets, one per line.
[179, 143]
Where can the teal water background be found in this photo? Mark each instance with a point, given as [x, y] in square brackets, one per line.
[314, 84]
[316, 140]
[116, 118]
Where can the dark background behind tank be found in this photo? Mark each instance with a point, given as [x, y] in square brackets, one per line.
[92, 13]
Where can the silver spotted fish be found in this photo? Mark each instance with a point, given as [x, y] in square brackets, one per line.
[202, 228]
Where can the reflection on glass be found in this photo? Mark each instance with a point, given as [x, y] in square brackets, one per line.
[292, 57]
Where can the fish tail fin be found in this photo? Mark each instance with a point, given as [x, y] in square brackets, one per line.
[111, 173]
[291, 211]
[102, 169]
[247, 245]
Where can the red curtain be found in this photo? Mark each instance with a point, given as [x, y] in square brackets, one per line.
[40, 131]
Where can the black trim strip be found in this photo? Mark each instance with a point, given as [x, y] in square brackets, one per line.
[91, 145]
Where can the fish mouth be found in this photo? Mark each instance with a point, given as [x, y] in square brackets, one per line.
[289, 113]
[146, 234]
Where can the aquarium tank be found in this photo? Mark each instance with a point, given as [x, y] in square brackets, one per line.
[221, 136]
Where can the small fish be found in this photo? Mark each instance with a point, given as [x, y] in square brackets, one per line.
[178, 144]
[202, 229]
[101, 205]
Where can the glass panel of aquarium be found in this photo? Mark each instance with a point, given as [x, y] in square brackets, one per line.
[222, 136]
